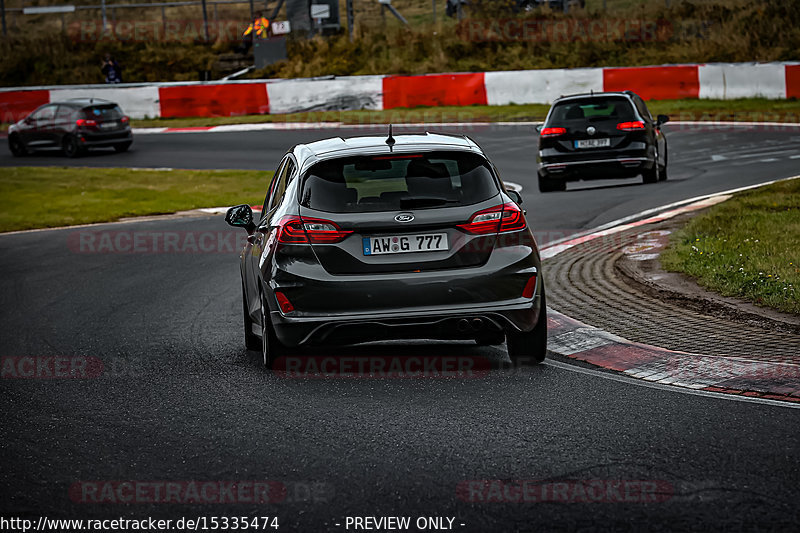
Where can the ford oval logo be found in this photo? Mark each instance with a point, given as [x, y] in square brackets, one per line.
[404, 217]
[591, 130]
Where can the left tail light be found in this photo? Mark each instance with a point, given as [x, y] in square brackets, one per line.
[296, 230]
[498, 219]
[86, 123]
[552, 132]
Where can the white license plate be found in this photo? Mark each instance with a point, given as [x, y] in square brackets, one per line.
[108, 125]
[593, 143]
[399, 244]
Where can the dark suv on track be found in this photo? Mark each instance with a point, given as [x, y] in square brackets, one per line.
[600, 136]
[371, 238]
[72, 126]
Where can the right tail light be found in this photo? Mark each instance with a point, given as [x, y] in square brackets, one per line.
[498, 219]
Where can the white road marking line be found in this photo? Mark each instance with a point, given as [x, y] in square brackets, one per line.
[621, 378]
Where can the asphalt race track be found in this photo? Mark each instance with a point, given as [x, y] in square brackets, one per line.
[182, 400]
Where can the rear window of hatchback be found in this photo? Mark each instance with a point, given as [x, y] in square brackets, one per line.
[398, 181]
[103, 112]
[593, 110]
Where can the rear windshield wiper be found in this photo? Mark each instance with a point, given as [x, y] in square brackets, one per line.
[424, 201]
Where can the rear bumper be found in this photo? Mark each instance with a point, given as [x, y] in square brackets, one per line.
[463, 323]
[430, 304]
[601, 164]
[99, 141]
[601, 168]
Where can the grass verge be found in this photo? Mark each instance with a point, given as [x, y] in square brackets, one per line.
[41, 197]
[746, 247]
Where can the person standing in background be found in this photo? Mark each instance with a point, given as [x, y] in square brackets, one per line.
[111, 69]
[258, 29]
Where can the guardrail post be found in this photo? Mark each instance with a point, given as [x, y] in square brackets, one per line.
[3, 9]
[350, 18]
[205, 20]
[164, 19]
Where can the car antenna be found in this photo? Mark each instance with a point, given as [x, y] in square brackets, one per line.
[390, 140]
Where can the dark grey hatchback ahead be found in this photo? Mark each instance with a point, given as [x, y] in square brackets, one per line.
[371, 238]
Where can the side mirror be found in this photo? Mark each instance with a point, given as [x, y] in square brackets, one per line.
[539, 128]
[241, 216]
[662, 119]
[514, 195]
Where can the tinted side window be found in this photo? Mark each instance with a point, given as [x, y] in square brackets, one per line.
[280, 188]
[272, 185]
[65, 113]
[45, 113]
[642, 107]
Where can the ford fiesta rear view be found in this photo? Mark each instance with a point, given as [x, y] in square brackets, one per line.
[372, 238]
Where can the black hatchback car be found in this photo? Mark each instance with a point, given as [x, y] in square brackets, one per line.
[600, 136]
[371, 238]
[72, 126]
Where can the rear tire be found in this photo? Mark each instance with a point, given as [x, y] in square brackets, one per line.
[651, 175]
[122, 147]
[71, 147]
[550, 185]
[16, 146]
[663, 170]
[530, 347]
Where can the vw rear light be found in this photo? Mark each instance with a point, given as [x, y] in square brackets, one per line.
[552, 132]
[86, 123]
[498, 219]
[296, 230]
[124, 120]
[631, 126]
[284, 303]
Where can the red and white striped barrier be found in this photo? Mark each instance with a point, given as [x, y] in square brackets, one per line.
[723, 81]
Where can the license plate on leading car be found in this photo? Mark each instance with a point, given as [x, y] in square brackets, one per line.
[108, 125]
[593, 143]
[398, 244]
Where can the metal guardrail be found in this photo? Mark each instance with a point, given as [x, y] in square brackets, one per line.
[104, 7]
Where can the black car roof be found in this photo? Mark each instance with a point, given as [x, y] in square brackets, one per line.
[310, 153]
[626, 94]
[85, 102]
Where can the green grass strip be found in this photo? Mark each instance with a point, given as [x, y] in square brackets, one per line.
[747, 247]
